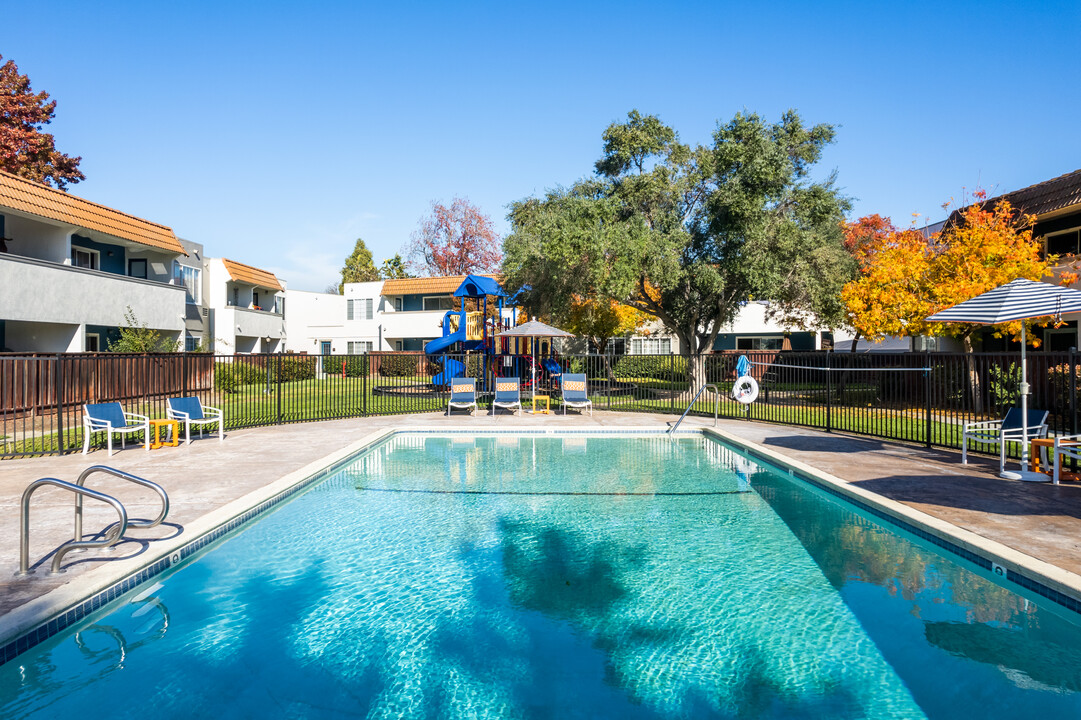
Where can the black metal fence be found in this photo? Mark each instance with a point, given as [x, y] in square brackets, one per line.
[922, 398]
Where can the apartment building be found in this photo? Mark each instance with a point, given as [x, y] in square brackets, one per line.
[245, 308]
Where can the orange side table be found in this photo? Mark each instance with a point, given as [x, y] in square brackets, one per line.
[1045, 444]
[174, 433]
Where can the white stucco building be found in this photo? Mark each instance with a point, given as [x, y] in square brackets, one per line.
[246, 307]
[70, 269]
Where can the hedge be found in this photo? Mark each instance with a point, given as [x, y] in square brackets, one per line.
[399, 365]
[228, 376]
[355, 365]
[658, 367]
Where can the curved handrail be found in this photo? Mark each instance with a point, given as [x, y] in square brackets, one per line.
[81, 481]
[716, 406]
[111, 538]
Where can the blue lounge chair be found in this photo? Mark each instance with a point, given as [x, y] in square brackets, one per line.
[507, 395]
[191, 411]
[1003, 431]
[463, 394]
[576, 392]
[110, 418]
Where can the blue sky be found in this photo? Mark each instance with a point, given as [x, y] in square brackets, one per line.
[276, 133]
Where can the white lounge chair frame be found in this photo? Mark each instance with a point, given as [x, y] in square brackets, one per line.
[507, 404]
[92, 425]
[583, 401]
[459, 388]
[211, 415]
[992, 431]
[1065, 446]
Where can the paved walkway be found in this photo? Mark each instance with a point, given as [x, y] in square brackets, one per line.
[1040, 520]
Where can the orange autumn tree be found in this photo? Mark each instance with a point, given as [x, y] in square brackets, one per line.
[906, 276]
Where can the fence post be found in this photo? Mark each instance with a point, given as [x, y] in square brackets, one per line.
[927, 395]
[1073, 391]
[279, 393]
[829, 395]
[364, 384]
[58, 391]
[184, 375]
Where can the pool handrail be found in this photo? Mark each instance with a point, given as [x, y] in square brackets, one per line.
[716, 406]
[112, 535]
[81, 482]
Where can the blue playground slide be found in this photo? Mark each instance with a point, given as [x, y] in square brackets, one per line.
[451, 368]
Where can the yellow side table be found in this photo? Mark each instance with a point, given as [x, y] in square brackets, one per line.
[547, 407]
[174, 433]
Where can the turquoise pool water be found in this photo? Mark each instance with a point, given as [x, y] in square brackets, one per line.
[573, 577]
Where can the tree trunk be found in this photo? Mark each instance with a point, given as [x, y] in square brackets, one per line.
[974, 390]
[696, 374]
[855, 341]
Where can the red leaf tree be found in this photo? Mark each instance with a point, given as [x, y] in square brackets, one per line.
[25, 150]
[455, 240]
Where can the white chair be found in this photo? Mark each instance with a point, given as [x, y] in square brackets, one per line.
[110, 418]
[191, 411]
[1065, 446]
[463, 394]
[576, 392]
[507, 395]
[1006, 430]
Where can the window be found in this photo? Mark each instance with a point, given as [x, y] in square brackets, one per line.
[1066, 243]
[279, 304]
[191, 343]
[651, 346]
[759, 343]
[236, 297]
[397, 304]
[359, 347]
[255, 300]
[442, 302]
[81, 257]
[137, 268]
[616, 346]
[93, 342]
[190, 278]
[364, 306]
[398, 345]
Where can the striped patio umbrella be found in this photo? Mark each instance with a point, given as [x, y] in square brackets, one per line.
[1018, 300]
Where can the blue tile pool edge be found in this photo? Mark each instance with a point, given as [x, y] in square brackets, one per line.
[56, 622]
[76, 613]
[1033, 581]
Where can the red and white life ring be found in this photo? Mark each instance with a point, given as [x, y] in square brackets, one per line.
[745, 390]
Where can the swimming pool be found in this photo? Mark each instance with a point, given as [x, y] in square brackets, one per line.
[560, 576]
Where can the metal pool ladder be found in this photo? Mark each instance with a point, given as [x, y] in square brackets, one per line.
[112, 535]
[716, 406]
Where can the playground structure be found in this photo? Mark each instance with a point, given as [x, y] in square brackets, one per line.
[476, 332]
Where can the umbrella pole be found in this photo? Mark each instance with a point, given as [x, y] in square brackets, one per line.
[1025, 474]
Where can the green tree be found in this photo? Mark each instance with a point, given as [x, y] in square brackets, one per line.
[358, 266]
[689, 234]
[394, 269]
[141, 338]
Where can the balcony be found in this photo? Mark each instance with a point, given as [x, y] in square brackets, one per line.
[33, 290]
[246, 322]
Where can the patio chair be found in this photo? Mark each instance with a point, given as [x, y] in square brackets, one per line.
[191, 411]
[1065, 446]
[110, 418]
[507, 395]
[1003, 431]
[463, 394]
[576, 392]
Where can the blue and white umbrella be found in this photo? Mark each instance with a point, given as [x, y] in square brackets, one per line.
[1018, 300]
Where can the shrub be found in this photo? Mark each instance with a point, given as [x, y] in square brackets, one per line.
[1059, 375]
[1005, 384]
[399, 365]
[355, 365]
[288, 369]
[228, 376]
[658, 367]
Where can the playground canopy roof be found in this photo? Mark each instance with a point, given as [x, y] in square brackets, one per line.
[535, 328]
[475, 286]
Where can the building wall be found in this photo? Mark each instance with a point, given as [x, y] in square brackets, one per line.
[37, 239]
[42, 337]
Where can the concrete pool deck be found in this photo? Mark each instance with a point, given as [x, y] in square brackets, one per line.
[1039, 520]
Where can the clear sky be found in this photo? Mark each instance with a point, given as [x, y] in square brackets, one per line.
[276, 133]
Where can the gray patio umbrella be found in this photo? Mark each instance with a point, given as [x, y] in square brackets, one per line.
[535, 329]
[1018, 300]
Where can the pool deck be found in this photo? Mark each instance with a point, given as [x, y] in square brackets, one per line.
[1039, 520]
